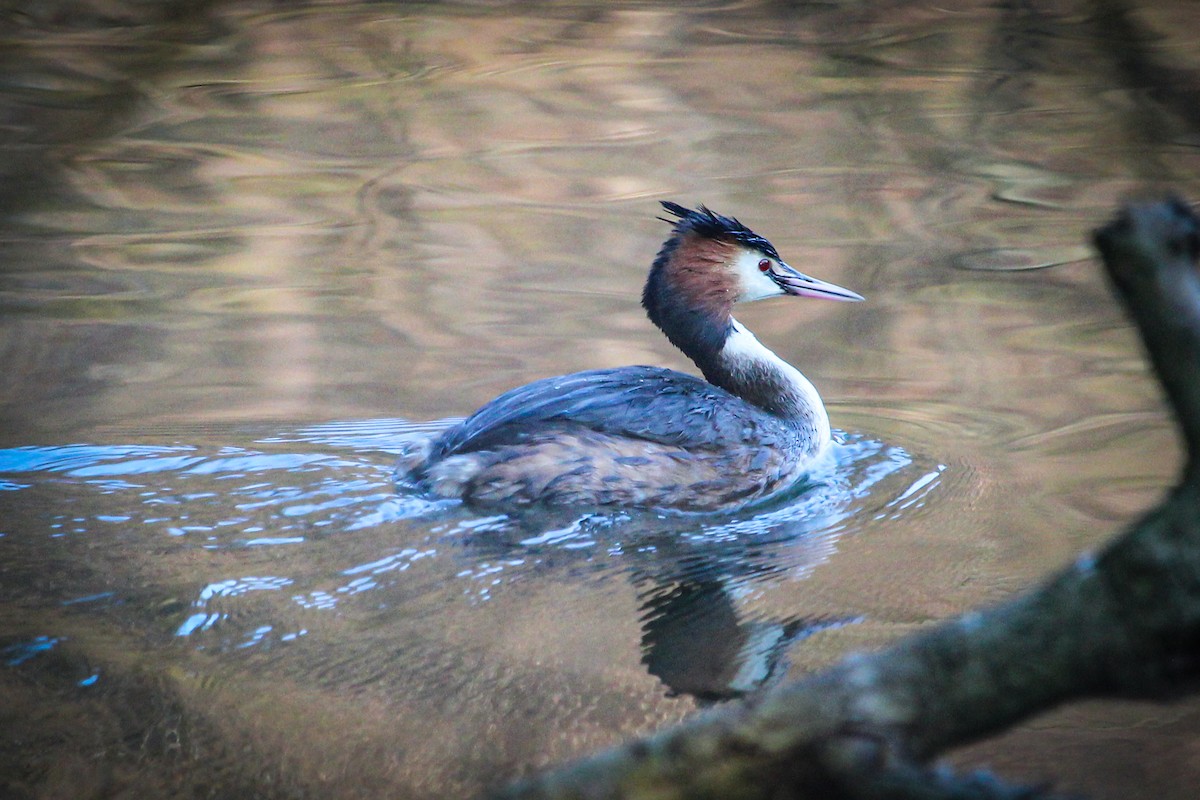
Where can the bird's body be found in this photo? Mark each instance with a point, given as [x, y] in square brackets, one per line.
[649, 436]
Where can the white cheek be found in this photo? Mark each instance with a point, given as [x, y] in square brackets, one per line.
[752, 283]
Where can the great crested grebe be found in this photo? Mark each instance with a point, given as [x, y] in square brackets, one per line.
[649, 436]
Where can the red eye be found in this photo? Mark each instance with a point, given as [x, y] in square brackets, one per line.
[764, 265]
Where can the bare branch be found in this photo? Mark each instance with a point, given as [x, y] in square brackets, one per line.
[1150, 254]
[1123, 623]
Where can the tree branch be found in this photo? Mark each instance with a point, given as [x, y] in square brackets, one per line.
[1125, 622]
[1150, 254]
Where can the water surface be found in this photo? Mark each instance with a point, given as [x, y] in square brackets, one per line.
[247, 252]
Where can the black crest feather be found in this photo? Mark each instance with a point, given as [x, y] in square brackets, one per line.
[707, 222]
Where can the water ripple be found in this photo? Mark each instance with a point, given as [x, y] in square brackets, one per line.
[318, 509]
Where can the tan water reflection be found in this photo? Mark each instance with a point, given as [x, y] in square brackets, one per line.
[254, 219]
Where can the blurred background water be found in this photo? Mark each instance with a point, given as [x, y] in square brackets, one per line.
[247, 249]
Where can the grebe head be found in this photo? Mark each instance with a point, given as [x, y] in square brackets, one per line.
[711, 262]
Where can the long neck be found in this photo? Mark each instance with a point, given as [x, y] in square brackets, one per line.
[731, 357]
[745, 367]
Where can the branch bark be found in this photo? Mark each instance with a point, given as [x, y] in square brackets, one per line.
[1124, 622]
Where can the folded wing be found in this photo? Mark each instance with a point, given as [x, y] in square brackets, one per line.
[649, 403]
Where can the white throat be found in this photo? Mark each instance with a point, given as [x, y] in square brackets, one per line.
[749, 360]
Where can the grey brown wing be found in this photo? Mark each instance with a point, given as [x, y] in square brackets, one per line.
[651, 403]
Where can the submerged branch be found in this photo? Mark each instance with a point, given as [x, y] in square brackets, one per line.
[1122, 623]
